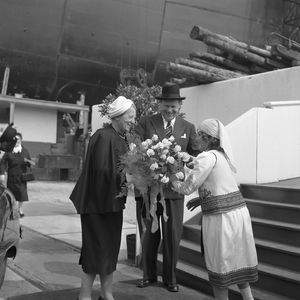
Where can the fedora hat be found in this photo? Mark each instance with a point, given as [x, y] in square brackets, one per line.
[170, 92]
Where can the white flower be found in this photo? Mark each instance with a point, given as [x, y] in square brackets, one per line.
[160, 145]
[155, 138]
[132, 146]
[185, 157]
[179, 175]
[180, 154]
[155, 147]
[154, 166]
[177, 148]
[166, 142]
[165, 151]
[144, 145]
[171, 138]
[170, 160]
[165, 179]
[163, 157]
[150, 152]
[149, 142]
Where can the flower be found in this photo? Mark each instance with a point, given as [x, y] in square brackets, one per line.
[153, 166]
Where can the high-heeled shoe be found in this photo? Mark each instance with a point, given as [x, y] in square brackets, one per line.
[22, 215]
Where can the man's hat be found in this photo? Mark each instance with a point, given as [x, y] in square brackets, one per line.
[170, 92]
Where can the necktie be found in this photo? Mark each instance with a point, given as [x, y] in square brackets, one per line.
[168, 130]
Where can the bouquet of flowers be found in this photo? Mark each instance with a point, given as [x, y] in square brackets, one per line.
[150, 166]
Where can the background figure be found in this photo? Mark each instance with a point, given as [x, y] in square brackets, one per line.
[95, 197]
[165, 124]
[15, 164]
[229, 248]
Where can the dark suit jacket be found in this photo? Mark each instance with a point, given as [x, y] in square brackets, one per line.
[184, 133]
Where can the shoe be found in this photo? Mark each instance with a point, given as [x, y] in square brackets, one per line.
[172, 287]
[22, 215]
[146, 282]
[100, 298]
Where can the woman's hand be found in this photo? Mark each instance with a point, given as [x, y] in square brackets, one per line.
[191, 163]
[31, 162]
[193, 203]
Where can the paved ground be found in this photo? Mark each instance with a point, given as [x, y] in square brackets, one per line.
[46, 266]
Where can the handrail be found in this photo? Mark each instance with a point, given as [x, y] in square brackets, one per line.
[281, 103]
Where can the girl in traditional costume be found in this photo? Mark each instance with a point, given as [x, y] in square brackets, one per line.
[229, 248]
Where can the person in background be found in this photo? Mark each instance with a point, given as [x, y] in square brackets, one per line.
[95, 197]
[165, 124]
[229, 248]
[15, 164]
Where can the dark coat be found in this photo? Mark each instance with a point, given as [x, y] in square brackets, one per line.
[184, 133]
[98, 186]
[15, 166]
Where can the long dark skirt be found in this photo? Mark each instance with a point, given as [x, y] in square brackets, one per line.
[101, 240]
[18, 188]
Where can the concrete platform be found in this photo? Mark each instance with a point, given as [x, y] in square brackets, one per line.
[46, 266]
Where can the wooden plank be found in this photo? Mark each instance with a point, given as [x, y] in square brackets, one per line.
[220, 61]
[199, 33]
[277, 64]
[218, 71]
[193, 73]
[286, 53]
[239, 52]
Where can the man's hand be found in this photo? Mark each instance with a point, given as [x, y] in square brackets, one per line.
[193, 203]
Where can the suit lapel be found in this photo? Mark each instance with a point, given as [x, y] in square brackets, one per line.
[158, 125]
[178, 129]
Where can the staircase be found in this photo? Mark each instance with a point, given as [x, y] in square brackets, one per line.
[275, 214]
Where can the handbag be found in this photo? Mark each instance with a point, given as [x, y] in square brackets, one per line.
[28, 176]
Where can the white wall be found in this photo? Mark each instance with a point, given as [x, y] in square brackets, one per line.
[227, 100]
[36, 124]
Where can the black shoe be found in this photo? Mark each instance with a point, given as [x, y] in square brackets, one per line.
[146, 282]
[22, 215]
[172, 287]
[100, 298]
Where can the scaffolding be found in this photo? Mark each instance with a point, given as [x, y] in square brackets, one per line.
[291, 19]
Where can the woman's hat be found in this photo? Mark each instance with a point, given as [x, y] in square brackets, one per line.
[8, 134]
[170, 92]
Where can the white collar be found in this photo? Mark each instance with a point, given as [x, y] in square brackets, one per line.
[166, 122]
[17, 149]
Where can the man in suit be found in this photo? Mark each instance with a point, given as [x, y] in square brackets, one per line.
[165, 124]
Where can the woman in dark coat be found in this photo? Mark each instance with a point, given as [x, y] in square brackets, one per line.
[15, 164]
[95, 198]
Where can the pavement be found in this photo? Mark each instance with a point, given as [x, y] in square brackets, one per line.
[46, 266]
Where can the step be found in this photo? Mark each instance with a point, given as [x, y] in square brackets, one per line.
[192, 232]
[278, 281]
[281, 232]
[271, 193]
[284, 212]
[191, 253]
[196, 278]
[278, 254]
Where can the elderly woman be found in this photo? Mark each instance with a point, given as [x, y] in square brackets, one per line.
[229, 248]
[95, 199]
